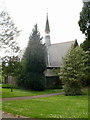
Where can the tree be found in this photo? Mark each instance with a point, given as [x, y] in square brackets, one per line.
[85, 19]
[84, 24]
[8, 32]
[73, 70]
[34, 62]
[10, 67]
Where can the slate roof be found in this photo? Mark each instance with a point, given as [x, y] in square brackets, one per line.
[56, 52]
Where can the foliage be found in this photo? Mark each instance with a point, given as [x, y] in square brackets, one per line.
[56, 70]
[85, 19]
[53, 82]
[8, 32]
[35, 81]
[84, 24]
[73, 71]
[87, 72]
[35, 53]
[85, 45]
[34, 62]
[11, 67]
[9, 86]
[0, 74]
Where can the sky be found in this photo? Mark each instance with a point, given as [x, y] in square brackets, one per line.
[63, 18]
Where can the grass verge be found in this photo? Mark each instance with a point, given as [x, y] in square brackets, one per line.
[59, 106]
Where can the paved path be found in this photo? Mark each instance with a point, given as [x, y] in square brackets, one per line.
[30, 97]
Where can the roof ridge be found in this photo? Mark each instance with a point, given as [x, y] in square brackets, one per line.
[63, 42]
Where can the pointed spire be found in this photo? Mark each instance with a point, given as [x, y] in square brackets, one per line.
[47, 28]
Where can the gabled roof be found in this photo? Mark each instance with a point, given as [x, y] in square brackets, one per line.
[56, 52]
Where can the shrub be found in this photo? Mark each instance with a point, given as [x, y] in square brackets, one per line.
[53, 82]
[9, 86]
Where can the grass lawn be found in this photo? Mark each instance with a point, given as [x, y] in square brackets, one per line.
[6, 93]
[59, 106]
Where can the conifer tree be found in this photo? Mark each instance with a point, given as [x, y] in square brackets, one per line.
[34, 61]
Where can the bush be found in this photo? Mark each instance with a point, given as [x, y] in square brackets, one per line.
[9, 86]
[53, 82]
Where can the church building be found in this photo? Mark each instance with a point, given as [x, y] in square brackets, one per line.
[55, 53]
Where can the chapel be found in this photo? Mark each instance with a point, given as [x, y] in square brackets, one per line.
[55, 53]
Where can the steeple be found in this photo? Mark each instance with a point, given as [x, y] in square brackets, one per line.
[47, 33]
[47, 28]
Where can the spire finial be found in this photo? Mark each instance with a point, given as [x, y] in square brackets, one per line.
[47, 31]
[47, 28]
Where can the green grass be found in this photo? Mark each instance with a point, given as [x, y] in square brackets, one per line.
[6, 93]
[59, 106]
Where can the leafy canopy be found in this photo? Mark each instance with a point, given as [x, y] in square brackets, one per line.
[85, 19]
[72, 71]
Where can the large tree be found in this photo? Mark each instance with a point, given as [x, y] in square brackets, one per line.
[34, 61]
[8, 33]
[84, 24]
[73, 71]
[35, 53]
[84, 21]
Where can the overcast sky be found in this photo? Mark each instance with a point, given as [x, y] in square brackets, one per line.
[63, 18]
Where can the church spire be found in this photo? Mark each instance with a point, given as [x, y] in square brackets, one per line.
[47, 28]
[47, 33]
